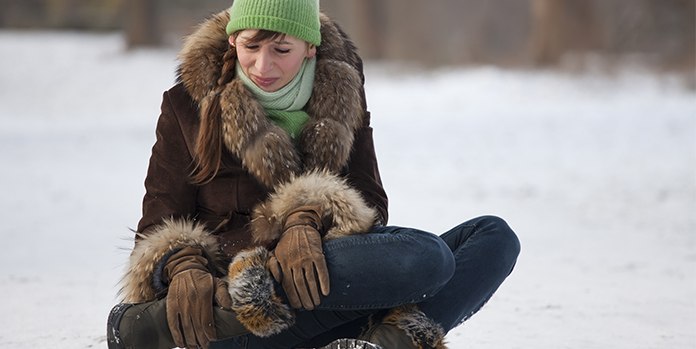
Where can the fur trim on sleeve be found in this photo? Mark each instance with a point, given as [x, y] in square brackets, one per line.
[172, 234]
[339, 203]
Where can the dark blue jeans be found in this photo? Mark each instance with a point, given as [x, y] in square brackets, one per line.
[450, 277]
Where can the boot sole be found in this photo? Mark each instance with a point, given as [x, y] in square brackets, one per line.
[351, 344]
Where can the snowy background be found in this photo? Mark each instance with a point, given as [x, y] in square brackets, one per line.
[595, 172]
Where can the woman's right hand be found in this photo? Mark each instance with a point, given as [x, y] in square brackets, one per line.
[192, 289]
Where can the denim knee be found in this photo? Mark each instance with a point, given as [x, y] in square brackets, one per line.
[431, 258]
[431, 265]
[506, 241]
[389, 267]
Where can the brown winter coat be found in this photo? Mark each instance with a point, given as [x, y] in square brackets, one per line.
[263, 174]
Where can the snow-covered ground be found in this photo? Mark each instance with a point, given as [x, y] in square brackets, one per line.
[596, 174]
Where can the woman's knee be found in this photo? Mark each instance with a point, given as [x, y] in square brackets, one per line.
[408, 260]
[433, 261]
[506, 235]
[504, 238]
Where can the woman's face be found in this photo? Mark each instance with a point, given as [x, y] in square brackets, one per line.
[271, 64]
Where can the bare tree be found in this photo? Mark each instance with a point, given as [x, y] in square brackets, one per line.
[141, 23]
[561, 26]
[371, 15]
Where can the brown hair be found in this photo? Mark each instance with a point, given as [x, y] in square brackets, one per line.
[207, 156]
[263, 35]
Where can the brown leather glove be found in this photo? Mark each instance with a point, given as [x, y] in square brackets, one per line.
[298, 261]
[192, 291]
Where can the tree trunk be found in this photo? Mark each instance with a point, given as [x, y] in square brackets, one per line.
[562, 26]
[371, 15]
[141, 23]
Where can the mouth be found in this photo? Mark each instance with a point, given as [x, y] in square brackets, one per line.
[264, 82]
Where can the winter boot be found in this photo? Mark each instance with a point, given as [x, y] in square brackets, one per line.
[144, 325]
[405, 327]
[141, 325]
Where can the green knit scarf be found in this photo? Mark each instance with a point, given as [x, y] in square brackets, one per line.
[284, 107]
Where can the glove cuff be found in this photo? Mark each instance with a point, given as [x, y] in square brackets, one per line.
[184, 259]
[305, 215]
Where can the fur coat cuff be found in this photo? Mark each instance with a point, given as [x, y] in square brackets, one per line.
[139, 281]
[340, 205]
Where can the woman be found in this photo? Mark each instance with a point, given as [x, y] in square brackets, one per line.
[264, 215]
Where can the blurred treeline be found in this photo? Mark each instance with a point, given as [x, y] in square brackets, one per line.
[657, 33]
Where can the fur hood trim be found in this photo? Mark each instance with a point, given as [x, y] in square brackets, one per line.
[266, 151]
[339, 204]
[138, 284]
[254, 300]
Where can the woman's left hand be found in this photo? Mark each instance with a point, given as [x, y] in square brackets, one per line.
[299, 263]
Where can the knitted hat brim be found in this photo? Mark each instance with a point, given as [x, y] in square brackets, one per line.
[281, 25]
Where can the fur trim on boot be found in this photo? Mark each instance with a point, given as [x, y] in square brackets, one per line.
[406, 321]
[340, 205]
[138, 283]
[254, 300]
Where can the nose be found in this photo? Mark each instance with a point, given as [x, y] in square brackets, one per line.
[264, 62]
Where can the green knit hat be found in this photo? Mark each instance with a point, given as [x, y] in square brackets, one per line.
[298, 18]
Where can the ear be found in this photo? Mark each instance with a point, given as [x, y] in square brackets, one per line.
[311, 51]
[231, 40]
